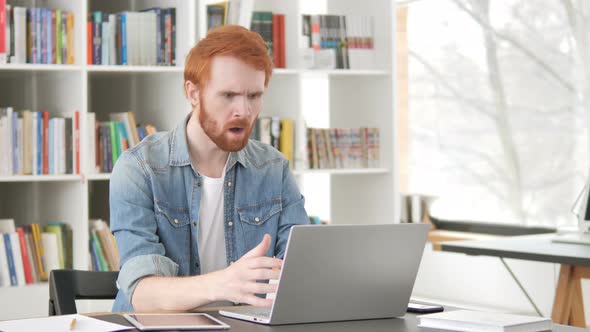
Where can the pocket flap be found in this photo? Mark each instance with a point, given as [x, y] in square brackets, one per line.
[258, 214]
[177, 217]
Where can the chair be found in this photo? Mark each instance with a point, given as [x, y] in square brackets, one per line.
[65, 286]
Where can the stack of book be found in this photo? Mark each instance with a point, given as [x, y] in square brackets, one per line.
[276, 132]
[343, 148]
[104, 254]
[36, 35]
[146, 38]
[109, 139]
[272, 29]
[27, 255]
[230, 12]
[338, 42]
[36, 143]
[271, 26]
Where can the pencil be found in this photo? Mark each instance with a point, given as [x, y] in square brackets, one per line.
[73, 324]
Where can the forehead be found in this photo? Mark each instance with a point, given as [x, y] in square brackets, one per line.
[230, 73]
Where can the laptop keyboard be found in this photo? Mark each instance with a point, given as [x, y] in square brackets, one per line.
[258, 312]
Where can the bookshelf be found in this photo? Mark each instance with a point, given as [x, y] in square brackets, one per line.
[340, 98]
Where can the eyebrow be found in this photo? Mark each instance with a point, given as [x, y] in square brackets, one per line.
[240, 93]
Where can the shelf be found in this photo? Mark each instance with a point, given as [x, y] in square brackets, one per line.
[331, 72]
[276, 71]
[99, 177]
[133, 69]
[41, 286]
[38, 67]
[350, 171]
[40, 178]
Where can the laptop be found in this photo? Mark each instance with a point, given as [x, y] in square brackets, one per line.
[343, 272]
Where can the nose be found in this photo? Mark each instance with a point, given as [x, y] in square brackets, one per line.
[242, 107]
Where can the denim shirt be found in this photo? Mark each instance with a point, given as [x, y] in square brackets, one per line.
[155, 195]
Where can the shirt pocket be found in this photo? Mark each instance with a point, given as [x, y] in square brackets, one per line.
[259, 214]
[173, 216]
[258, 219]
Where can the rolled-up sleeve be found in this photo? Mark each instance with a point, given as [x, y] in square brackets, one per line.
[293, 210]
[133, 223]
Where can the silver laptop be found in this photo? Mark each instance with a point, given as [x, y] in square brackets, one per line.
[335, 273]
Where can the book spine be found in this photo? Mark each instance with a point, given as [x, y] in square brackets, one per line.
[76, 142]
[25, 256]
[89, 36]
[53, 40]
[40, 248]
[4, 269]
[70, 37]
[45, 142]
[99, 252]
[173, 46]
[39, 143]
[3, 52]
[15, 144]
[97, 38]
[18, 259]
[58, 37]
[124, 39]
[10, 259]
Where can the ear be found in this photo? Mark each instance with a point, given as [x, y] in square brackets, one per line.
[192, 93]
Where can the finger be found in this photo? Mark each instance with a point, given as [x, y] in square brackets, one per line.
[256, 301]
[261, 288]
[264, 274]
[260, 249]
[264, 263]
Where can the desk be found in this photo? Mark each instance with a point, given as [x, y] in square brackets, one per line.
[568, 305]
[406, 324]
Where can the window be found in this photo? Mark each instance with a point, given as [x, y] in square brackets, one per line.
[498, 107]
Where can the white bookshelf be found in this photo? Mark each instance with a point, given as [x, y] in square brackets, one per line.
[321, 98]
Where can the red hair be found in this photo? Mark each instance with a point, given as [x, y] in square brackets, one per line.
[228, 40]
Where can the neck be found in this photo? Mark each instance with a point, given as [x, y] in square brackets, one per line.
[206, 156]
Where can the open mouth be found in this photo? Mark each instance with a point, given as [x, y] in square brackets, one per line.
[236, 130]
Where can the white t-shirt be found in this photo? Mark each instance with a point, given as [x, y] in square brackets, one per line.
[210, 230]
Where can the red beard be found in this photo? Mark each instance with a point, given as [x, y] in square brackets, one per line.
[224, 138]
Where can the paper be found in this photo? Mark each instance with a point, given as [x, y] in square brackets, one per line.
[60, 324]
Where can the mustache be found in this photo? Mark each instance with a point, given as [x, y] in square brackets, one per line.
[241, 123]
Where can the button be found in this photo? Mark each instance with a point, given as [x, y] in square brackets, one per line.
[195, 223]
[229, 184]
[257, 219]
[199, 184]
[230, 224]
[176, 221]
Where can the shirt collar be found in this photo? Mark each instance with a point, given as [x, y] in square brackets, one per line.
[180, 156]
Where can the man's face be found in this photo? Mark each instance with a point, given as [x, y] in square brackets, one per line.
[231, 102]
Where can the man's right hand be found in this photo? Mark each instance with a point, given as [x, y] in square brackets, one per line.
[237, 282]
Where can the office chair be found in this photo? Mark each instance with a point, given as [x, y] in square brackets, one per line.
[65, 286]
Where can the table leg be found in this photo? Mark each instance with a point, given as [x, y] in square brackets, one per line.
[577, 307]
[562, 301]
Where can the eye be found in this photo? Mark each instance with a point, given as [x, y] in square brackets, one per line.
[254, 96]
[228, 95]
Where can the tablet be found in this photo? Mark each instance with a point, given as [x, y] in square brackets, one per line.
[181, 321]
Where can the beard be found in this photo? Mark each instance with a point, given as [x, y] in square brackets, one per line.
[220, 134]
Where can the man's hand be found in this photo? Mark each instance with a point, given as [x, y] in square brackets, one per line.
[237, 282]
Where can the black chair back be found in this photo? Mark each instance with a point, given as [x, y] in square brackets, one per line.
[66, 286]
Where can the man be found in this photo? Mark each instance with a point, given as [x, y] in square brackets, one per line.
[200, 213]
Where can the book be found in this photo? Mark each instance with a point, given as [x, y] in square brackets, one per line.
[51, 251]
[4, 271]
[7, 226]
[468, 320]
[18, 259]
